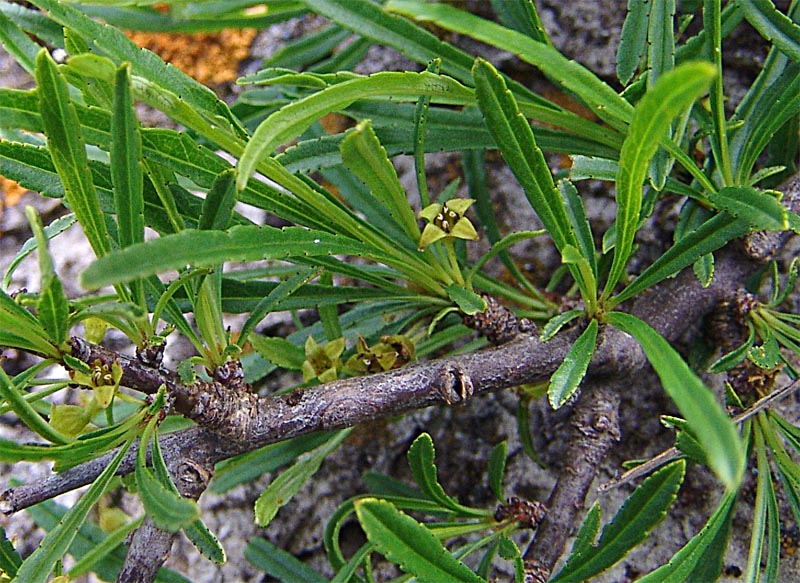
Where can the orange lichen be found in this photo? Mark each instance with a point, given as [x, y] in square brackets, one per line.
[11, 191]
[211, 58]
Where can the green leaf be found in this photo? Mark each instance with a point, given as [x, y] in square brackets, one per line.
[713, 428]
[279, 564]
[421, 456]
[410, 545]
[190, 95]
[774, 101]
[581, 269]
[567, 378]
[272, 303]
[209, 248]
[38, 566]
[584, 540]
[467, 301]
[774, 26]
[100, 552]
[573, 77]
[218, 204]
[13, 397]
[56, 227]
[279, 351]
[642, 511]
[761, 210]
[364, 155]
[579, 222]
[706, 548]
[497, 468]
[249, 466]
[165, 506]
[48, 514]
[9, 557]
[704, 269]
[285, 486]
[514, 137]
[68, 152]
[710, 236]
[521, 15]
[735, 356]
[660, 39]
[53, 304]
[293, 119]
[126, 156]
[633, 40]
[18, 44]
[197, 532]
[672, 94]
[557, 322]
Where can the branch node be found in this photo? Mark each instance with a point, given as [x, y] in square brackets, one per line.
[528, 513]
[455, 385]
[498, 323]
[535, 571]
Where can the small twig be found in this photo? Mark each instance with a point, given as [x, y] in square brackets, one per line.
[674, 453]
[595, 429]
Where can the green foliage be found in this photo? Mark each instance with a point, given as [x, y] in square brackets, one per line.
[641, 512]
[374, 278]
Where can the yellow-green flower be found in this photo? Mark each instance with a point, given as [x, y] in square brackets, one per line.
[447, 221]
[322, 361]
[390, 353]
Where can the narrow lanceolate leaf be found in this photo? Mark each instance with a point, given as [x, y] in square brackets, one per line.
[126, 156]
[706, 546]
[38, 566]
[421, 460]
[567, 378]
[421, 457]
[20, 329]
[9, 557]
[53, 305]
[633, 40]
[601, 98]
[18, 44]
[641, 512]
[773, 25]
[497, 468]
[708, 237]
[467, 300]
[278, 563]
[410, 545]
[113, 42]
[218, 205]
[14, 398]
[165, 506]
[579, 222]
[284, 487]
[197, 532]
[208, 248]
[672, 94]
[68, 151]
[364, 155]
[760, 209]
[291, 120]
[706, 419]
[271, 302]
[514, 137]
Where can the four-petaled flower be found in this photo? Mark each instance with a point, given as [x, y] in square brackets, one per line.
[447, 221]
[322, 361]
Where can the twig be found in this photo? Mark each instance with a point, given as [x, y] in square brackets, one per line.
[673, 453]
[595, 429]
